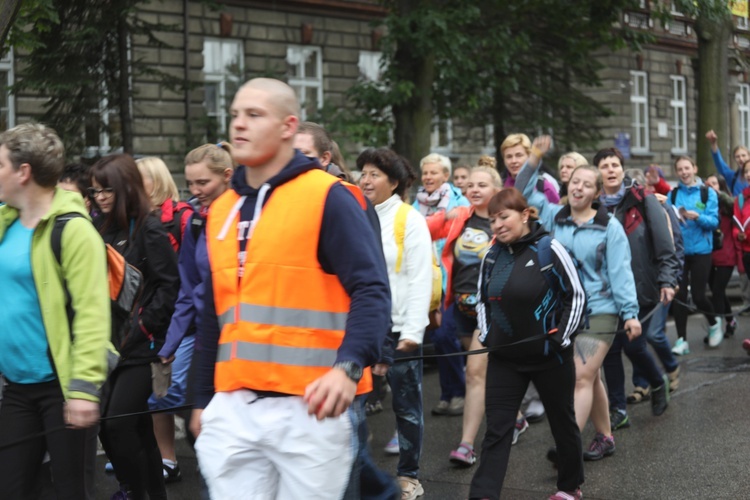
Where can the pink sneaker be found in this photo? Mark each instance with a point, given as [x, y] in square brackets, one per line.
[464, 455]
[746, 345]
[566, 495]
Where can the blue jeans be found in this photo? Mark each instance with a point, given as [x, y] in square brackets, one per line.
[450, 370]
[366, 481]
[405, 379]
[637, 351]
[656, 336]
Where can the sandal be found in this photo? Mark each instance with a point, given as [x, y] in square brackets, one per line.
[640, 394]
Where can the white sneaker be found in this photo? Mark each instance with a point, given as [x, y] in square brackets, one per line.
[681, 347]
[392, 447]
[715, 336]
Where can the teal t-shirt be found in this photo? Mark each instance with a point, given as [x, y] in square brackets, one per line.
[24, 357]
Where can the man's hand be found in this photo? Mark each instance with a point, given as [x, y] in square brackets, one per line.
[80, 413]
[406, 346]
[380, 369]
[330, 395]
[666, 295]
[633, 327]
[195, 422]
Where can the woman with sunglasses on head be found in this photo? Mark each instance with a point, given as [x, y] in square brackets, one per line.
[128, 224]
[600, 245]
[530, 315]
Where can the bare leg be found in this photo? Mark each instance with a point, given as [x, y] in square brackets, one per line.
[476, 375]
[600, 408]
[164, 432]
[590, 354]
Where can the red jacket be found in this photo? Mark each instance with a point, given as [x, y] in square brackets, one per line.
[730, 254]
[451, 230]
[742, 219]
[662, 187]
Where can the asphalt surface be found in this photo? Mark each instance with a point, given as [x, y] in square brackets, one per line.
[700, 448]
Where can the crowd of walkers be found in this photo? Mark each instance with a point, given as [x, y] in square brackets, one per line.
[271, 310]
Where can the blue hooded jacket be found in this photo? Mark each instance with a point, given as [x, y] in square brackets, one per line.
[697, 235]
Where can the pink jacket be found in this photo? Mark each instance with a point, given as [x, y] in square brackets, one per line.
[451, 230]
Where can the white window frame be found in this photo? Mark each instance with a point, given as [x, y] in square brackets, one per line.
[435, 145]
[673, 10]
[6, 65]
[742, 24]
[640, 111]
[369, 65]
[744, 111]
[679, 113]
[219, 75]
[297, 56]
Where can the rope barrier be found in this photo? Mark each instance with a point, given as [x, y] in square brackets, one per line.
[701, 311]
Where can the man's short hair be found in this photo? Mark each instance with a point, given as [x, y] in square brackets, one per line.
[78, 174]
[321, 139]
[40, 147]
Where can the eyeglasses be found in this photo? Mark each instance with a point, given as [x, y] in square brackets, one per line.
[105, 193]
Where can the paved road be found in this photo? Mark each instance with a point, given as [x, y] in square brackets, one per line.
[700, 448]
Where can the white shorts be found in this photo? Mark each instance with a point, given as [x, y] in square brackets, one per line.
[270, 448]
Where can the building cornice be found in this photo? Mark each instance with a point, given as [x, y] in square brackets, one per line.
[362, 9]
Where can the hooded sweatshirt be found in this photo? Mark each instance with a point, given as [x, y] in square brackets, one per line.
[348, 248]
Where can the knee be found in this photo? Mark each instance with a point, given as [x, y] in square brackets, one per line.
[476, 374]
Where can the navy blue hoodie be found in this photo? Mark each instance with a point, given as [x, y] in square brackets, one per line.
[348, 248]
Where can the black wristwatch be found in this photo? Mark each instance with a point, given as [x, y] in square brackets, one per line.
[352, 370]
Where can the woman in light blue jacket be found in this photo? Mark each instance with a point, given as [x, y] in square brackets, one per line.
[601, 247]
[697, 207]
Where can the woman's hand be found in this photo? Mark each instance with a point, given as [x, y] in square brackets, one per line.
[690, 214]
[406, 346]
[633, 328]
[542, 144]
[741, 237]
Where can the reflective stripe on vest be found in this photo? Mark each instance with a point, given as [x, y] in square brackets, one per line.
[271, 353]
[283, 316]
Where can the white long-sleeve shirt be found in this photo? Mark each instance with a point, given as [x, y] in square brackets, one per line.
[411, 289]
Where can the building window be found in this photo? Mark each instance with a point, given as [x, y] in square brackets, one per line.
[305, 72]
[744, 108]
[674, 10]
[369, 65]
[639, 104]
[223, 71]
[742, 24]
[441, 140]
[679, 112]
[7, 110]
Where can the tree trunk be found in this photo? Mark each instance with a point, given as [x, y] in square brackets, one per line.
[8, 12]
[123, 91]
[413, 118]
[713, 85]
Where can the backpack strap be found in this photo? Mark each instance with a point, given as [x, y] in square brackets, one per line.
[399, 232]
[673, 195]
[704, 194]
[197, 225]
[57, 229]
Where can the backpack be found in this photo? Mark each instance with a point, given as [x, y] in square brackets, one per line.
[543, 249]
[399, 231]
[717, 241]
[125, 281]
[171, 219]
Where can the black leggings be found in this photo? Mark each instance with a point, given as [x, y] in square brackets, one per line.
[129, 442]
[696, 272]
[719, 280]
[504, 392]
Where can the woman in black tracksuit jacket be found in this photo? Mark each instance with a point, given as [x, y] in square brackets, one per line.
[531, 316]
[129, 226]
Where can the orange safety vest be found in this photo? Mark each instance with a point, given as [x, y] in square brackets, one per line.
[283, 320]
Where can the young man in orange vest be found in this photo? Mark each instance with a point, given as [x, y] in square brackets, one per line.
[297, 306]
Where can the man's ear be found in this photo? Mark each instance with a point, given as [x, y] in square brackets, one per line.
[290, 125]
[325, 159]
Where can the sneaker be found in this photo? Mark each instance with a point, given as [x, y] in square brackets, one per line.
[392, 447]
[456, 407]
[746, 345]
[599, 448]
[674, 379]
[534, 412]
[410, 488]
[108, 468]
[730, 328]
[567, 495]
[639, 395]
[121, 494]
[681, 347]
[463, 455]
[714, 334]
[373, 408]
[660, 397]
[171, 470]
[619, 420]
[441, 408]
[521, 426]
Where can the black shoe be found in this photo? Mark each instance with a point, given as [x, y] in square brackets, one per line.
[731, 327]
[618, 420]
[171, 474]
[660, 398]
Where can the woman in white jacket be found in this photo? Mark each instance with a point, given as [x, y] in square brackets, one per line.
[408, 254]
